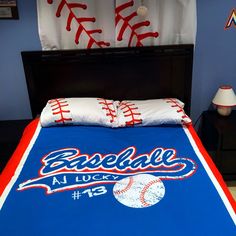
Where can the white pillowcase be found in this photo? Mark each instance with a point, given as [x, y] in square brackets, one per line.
[79, 111]
[104, 112]
[151, 112]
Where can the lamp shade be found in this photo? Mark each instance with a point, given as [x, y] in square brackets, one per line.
[225, 97]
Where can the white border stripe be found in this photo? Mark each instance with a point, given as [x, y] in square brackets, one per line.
[19, 167]
[211, 175]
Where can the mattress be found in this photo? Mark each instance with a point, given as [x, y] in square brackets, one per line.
[90, 180]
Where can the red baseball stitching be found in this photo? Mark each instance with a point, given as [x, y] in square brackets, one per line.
[80, 20]
[106, 105]
[126, 25]
[129, 185]
[57, 106]
[129, 110]
[144, 190]
[179, 109]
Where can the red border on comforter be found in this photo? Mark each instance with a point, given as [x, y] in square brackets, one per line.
[14, 161]
[29, 132]
[213, 167]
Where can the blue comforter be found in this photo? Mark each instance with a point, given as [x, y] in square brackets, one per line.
[81, 180]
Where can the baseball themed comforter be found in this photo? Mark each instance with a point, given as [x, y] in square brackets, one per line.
[92, 180]
[93, 166]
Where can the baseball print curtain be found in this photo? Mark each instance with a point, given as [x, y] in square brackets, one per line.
[71, 24]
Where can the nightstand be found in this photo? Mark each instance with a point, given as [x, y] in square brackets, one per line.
[10, 134]
[218, 134]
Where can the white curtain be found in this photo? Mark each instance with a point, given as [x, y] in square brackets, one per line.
[70, 24]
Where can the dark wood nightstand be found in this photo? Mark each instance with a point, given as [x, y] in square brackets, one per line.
[10, 134]
[218, 134]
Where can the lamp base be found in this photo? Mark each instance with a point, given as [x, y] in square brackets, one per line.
[224, 111]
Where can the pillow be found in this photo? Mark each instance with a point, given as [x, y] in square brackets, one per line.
[151, 112]
[79, 111]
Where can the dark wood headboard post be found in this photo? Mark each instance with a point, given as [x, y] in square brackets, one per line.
[114, 73]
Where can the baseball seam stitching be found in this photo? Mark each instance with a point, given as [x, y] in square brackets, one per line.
[129, 110]
[106, 105]
[144, 190]
[57, 106]
[128, 186]
[180, 109]
[79, 20]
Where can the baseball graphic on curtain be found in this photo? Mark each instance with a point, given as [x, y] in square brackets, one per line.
[164, 22]
[71, 24]
[74, 24]
[133, 29]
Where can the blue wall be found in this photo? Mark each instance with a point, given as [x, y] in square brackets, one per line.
[215, 51]
[16, 36]
[214, 62]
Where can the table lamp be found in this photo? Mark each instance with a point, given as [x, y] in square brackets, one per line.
[224, 100]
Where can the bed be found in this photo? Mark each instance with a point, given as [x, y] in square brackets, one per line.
[145, 178]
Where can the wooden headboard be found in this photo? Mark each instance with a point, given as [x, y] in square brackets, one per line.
[114, 73]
